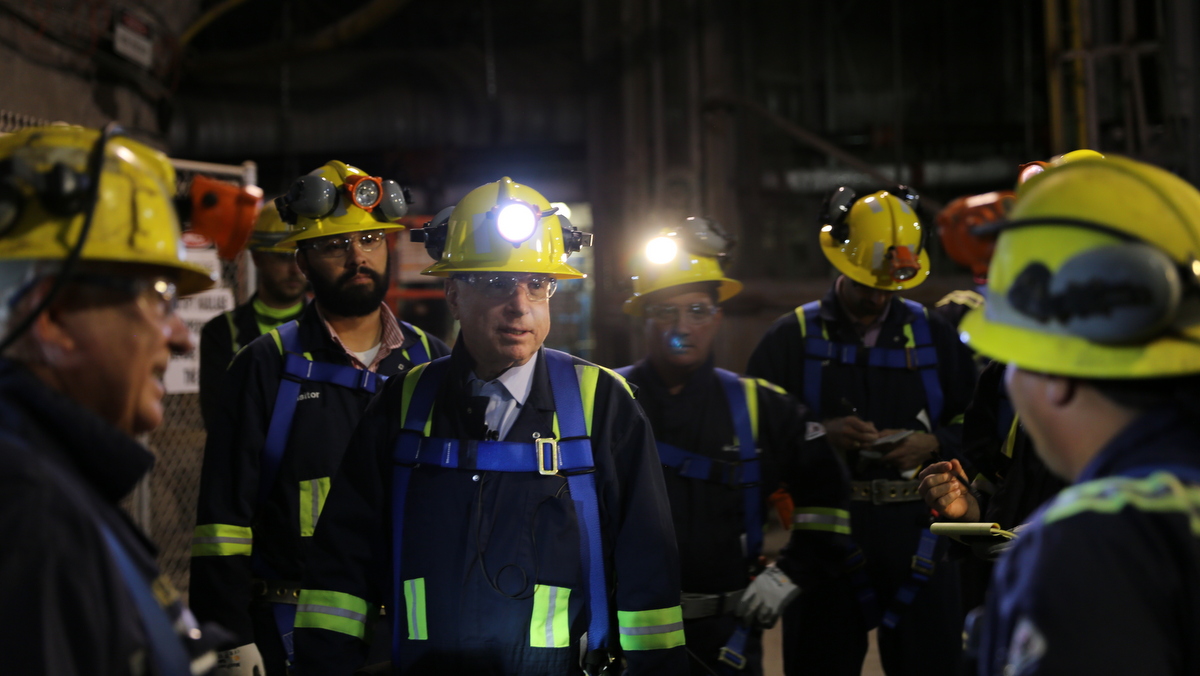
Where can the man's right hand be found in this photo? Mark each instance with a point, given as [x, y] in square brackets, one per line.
[942, 490]
[850, 433]
[241, 661]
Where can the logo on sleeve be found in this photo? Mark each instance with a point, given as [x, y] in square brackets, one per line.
[308, 395]
[1026, 649]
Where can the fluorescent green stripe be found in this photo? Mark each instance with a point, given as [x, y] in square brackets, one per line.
[620, 378]
[1011, 440]
[333, 611]
[751, 388]
[800, 318]
[826, 519]
[651, 629]
[588, 377]
[274, 334]
[956, 420]
[218, 539]
[312, 500]
[410, 384]
[909, 341]
[233, 331]
[770, 386]
[549, 627]
[414, 606]
[1160, 492]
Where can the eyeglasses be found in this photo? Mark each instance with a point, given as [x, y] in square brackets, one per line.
[339, 247]
[694, 314]
[156, 292]
[499, 286]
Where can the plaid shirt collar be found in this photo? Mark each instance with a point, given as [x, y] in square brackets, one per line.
[392, 338]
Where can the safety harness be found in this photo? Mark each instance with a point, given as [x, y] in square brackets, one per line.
[569, 454]
[298, 368]
[744, 474]
[918, 354]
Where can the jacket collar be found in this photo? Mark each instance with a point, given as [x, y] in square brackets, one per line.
[107, 459]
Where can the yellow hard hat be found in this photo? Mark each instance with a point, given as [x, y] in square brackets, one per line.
[44, 179]
[502, 227]
[270, 231]
[685, 255]
[336, 199]
[1031, 169]
[1094, 274]
[875, 240]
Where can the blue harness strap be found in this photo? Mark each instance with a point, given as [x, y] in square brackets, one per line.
[571, 455]
[417, 354]
[751, 472]
[920, 357]
[922, 570]
[166, 647]
[296, 370]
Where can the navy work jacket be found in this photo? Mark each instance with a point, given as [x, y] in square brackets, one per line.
[64, 606]
[222, 583]
[1106, 577]
[484, 541]
[708, 516]
[890, 398]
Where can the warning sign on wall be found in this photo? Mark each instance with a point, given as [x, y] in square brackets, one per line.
[183, 373]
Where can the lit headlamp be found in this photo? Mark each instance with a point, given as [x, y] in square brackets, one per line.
[699, 236]
[516, 221]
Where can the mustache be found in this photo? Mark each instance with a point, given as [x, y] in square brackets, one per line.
[361, 270]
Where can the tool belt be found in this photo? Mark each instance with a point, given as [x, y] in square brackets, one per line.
[882, 491]
[697, 606]
[277, 591]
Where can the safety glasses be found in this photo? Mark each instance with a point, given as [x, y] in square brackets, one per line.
[501, 286]
[157, 293]
[339, 246]
[694, 314]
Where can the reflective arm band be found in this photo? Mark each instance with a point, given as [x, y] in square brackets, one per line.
[218, 539]
[333, 611]
[822, 518]
[651, 629]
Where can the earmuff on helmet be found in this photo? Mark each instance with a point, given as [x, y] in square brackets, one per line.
[1112, 295]
[314, 196]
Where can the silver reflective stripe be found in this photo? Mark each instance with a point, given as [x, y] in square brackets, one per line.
[330, 610]
[821, 518]
[218, 540]
[551, 604]
[412, 594]
[657, 629]
[315, 485]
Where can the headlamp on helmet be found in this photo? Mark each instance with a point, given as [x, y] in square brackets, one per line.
[699, 236]
[314, 196]
[516, 221]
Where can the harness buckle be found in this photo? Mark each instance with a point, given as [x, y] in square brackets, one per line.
[922, 565]
[732, 658]
[540, 445]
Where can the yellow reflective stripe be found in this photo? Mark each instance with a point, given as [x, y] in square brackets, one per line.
[770, 386]
[909, 341]
[826, 519]
[312, 500]
[219, 539]
[651, 629]
[233, 331]
[1011, 440]
[1160, 492]
[414, 606]
[957, 420]
[800, 318]
[274, 334]
[410, 384]
[550, 627]
[588, 377]
[333, 611]
[620, 379]
[750, 386]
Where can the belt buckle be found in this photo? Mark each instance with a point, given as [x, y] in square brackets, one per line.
[879, 491]
[540, 445]
[733, 659]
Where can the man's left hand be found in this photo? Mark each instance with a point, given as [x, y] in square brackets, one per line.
[913, 450]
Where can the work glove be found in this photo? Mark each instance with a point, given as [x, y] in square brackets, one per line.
[241, 661]
[764, 600]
